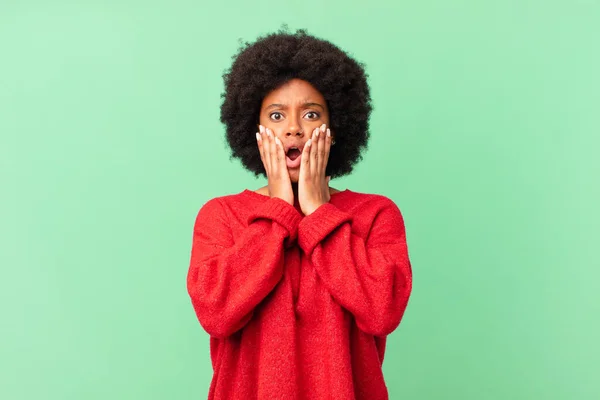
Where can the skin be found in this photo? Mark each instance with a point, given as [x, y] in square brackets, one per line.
[296, 113]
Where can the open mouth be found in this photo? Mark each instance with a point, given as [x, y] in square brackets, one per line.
[293, 153]
[292, 157]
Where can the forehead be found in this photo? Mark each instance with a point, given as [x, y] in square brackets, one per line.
[295, 91]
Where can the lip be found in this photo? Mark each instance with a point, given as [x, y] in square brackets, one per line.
[293, 163]
[299, 146]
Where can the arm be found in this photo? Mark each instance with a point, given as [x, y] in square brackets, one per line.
[370, 277]
[226, 279]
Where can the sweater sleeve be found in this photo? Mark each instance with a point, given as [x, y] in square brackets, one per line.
[369, 276]
[227, 279]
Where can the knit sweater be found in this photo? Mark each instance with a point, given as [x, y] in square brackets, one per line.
[298, 307]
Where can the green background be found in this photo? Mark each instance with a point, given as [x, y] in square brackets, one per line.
[485, 133]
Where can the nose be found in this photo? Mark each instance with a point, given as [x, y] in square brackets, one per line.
[294, 131]
[294, 128]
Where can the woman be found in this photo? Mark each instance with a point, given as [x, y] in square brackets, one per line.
[297, 283]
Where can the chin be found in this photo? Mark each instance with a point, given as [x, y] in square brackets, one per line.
[294, 176]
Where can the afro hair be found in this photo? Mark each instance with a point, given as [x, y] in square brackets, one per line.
[271, 61]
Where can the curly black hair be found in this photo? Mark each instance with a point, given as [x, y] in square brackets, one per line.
[272, 60]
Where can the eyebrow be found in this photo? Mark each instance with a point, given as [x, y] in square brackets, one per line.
[284, 106]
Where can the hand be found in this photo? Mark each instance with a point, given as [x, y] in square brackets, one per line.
[273, 158]
[313, 185]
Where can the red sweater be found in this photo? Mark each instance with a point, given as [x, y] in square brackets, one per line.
[298, 307]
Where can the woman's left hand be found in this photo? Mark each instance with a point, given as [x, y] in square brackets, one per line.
[313, 185]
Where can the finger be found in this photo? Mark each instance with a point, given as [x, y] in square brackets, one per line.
[260, 149]
[327, 149]
[280, 155]
[321, 152]
[305, 160]
[314, 155]
[273, 152]
[266, 149]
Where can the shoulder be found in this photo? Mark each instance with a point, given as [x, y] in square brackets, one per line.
[353, 199]
[243, 197]
[231, 204]
[376, 214]
[369, 209]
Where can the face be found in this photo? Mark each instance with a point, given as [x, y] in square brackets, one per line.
[292, 112]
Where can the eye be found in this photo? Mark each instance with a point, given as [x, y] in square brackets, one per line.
[315, 115]
[276, 116]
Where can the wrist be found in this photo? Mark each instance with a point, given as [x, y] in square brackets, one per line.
[312, 208]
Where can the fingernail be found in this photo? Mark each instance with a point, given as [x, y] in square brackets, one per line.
[317, 134]
[277, 140]
[257, 136]
[261, 128]
[308, 142]
[323, 128]
[268, 131]
[328, 133]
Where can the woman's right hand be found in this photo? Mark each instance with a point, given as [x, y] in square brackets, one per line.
[273, 158]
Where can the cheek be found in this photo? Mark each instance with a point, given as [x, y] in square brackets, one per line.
[310, 126]
[267, 123]
[263, 121]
